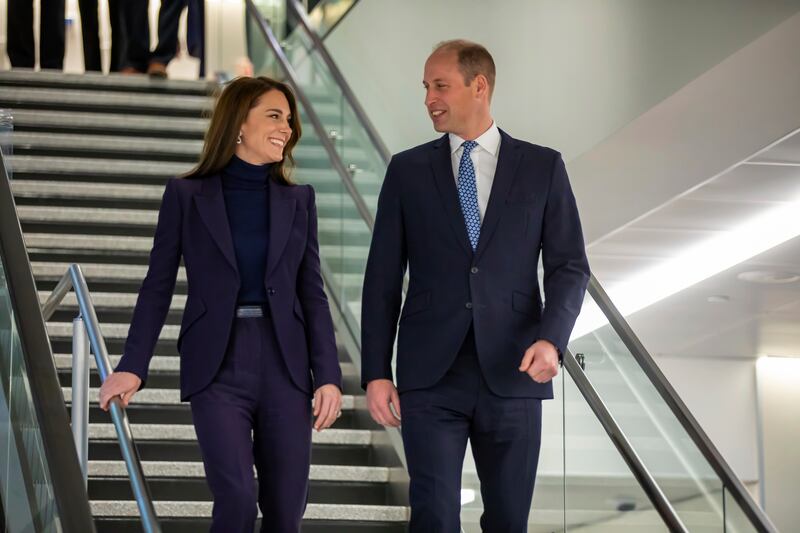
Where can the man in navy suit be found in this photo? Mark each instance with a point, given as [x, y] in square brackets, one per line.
[468, 214]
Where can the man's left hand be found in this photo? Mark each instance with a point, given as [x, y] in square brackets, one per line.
[540, 361]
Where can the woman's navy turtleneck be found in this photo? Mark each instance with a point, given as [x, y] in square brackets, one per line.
[246, 190]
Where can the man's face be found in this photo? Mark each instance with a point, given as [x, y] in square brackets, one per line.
[450, 103]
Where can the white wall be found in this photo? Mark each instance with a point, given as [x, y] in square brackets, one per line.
[779, 395]
[570, 72]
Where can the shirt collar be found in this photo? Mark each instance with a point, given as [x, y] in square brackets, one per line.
[489, 140]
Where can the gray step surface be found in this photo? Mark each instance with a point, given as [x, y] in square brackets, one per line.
[75, 120]
[159, 171]
[166, 103]
[185, 432]
[194, 469]
[146, 147]
[166, 363]
[172, 397]
[74, 190]
[314, 511]
[29, 77]
[119, 272]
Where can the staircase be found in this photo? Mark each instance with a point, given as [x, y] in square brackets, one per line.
[91, 156]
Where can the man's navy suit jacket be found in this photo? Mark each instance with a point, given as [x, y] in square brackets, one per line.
[420, 225]
[193, 223]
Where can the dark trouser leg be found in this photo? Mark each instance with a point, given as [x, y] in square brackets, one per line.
[51, 34]
[21, 48]
[117, 35]
[505, 439]
[435, 430]
[223, 415]
[90, 33]
[168, 18]
[136, 52]
[282, 446]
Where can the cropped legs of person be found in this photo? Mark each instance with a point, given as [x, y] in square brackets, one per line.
[504, 434]
[253, 415]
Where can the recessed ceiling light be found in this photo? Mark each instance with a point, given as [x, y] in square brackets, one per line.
[768, 277]
[719, 299]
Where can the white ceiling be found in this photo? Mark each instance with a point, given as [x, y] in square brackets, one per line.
[752, 319]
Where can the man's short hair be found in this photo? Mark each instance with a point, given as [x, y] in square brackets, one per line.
[473, 59]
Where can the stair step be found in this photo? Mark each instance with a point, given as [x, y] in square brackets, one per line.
[157, 172]
[88, 81]
[172, 397]
[164, 363]
[118, 123]
[115, 101]
[178, 469]
[170, 509]
[185, 432]
[150, 148]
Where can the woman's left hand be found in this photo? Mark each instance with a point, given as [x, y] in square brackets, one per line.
[327, 406]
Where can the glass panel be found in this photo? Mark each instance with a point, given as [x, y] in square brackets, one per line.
[25, 485]
[344, 235]
[735, 519]
[666, 450]
[327, 13]
[359, 155]
[601, 493]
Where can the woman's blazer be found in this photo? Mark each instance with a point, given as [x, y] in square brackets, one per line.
[193, 223]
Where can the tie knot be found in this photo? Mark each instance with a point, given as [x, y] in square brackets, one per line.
[469, 146]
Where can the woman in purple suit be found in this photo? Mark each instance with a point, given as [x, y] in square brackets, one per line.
[256, 339]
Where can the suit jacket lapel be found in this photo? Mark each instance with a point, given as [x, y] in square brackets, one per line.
[281, 219]
[211, 206]
[507, 162]
[443, 176]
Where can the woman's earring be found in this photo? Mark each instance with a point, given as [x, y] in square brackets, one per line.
[239, 139]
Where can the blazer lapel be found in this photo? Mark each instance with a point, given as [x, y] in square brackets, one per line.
[507, 162]
[281, 219]
[211, 206]
[443, 176]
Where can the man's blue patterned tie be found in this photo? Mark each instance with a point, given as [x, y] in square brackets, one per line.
[468, 194]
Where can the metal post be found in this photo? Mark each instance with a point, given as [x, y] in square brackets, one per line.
[80, 393]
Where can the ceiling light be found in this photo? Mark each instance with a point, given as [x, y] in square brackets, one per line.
[695, 264]
[768, 277]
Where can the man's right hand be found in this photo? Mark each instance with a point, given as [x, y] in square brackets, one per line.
[123, 384]
[381, 394]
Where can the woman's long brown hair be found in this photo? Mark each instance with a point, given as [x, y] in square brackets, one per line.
[230, 112]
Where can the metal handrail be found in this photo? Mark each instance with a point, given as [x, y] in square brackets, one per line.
[71, 499]
[87, 324]
[348, 93]
[291, 76]
[731, 482]
[623, 445]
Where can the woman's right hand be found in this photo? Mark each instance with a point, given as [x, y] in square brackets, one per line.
[124, 384]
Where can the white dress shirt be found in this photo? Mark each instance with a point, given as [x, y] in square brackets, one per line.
[484, 159]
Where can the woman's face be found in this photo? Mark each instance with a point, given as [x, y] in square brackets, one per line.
[266, 130]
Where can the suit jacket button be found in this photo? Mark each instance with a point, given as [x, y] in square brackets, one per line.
[271, 291]
[474, 270]
[468, 305]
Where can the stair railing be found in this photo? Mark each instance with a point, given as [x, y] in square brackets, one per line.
[86, 335]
